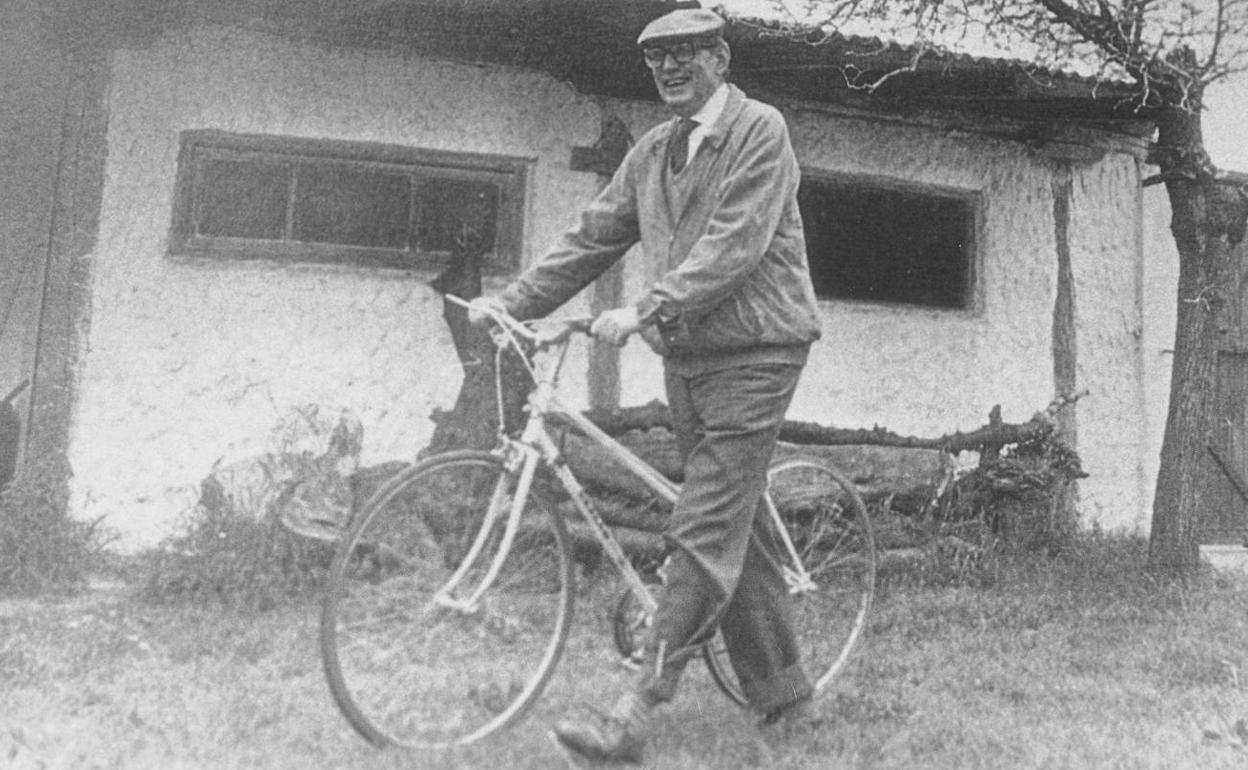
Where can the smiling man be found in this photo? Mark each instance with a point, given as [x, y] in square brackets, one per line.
[712, 196]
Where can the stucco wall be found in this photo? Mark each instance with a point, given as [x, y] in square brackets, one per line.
[1161, 292]
[1112, 422]
[191, 362]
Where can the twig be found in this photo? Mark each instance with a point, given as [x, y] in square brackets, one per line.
[16, 391]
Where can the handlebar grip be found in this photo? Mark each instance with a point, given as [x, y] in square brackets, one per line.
[525, 331]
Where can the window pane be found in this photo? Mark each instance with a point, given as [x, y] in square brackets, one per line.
[242, 199]
[887, 245]
[457, 214]
[245, 196]
[335, 203]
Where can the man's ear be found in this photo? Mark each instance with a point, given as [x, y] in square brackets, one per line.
[723, 58]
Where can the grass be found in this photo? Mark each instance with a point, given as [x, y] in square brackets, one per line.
[41, 548]
[1070, 662]
[233, 562]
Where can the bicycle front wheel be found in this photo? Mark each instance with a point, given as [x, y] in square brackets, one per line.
[433, 633]
[832, 581]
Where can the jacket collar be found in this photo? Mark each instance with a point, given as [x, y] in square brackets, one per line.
[719, 129]
[714, 107]
[732, 108]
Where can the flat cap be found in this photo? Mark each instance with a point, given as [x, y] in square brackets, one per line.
[682, 23]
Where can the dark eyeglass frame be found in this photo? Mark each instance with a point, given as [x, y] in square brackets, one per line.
[682, 52]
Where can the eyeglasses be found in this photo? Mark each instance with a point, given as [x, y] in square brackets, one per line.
[682, 52]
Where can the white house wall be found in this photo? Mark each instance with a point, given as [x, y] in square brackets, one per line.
[932, 372]
[1161, 302]
[1113, 421]
[192, 362]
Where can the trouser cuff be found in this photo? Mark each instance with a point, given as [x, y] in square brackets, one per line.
[784, 687]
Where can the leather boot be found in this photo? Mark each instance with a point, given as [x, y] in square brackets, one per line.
[790, 715]
[618, 735]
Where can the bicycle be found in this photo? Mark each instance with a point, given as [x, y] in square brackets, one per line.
[450, 596]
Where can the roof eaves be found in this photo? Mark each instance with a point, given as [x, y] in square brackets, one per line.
[959, 55]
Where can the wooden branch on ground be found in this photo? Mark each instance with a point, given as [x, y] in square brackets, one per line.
[641, 515]
[635, 542]
[595, 468]
[994, 434]
[641, 545]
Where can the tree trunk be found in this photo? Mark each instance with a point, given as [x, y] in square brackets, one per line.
[473, 422]
[1206, 224]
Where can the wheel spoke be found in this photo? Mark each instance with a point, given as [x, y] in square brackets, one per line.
[831, 534]
[422, 648]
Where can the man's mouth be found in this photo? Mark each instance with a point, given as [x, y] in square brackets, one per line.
[674, 82]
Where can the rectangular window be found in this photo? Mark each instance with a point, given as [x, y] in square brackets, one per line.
[889, 244]
[265, 197]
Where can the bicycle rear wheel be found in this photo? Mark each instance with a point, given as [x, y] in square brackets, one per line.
[834, 586]
[420, 648]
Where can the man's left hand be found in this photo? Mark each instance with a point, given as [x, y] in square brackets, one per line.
[614, 326]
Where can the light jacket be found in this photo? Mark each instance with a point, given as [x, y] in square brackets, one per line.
[737, 286]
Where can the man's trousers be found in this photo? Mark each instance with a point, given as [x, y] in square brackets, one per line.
[724, 570]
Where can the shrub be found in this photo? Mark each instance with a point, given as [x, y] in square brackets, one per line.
[239, 545]
[1021, 500]
[236, 562]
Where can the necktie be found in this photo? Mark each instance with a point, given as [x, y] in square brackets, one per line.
[678, 145]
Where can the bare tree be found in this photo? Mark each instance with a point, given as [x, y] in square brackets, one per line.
[1169, 51]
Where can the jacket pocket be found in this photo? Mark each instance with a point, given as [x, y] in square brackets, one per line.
[731, 325]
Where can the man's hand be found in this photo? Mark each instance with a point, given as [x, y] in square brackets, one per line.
[482, 309]
[654, 338]
[614, 326]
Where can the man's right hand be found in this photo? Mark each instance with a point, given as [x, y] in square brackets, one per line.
[481, 310]
[614, 326]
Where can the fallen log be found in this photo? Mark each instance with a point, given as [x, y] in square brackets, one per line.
[994, 434]
[623, 511]
[903, 478]
[649, 547]
[640, 546]
[599, 471]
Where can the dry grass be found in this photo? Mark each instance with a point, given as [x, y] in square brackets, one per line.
[1073, 662]
[41, 549]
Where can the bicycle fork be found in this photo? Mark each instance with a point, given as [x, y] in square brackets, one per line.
[528, 460]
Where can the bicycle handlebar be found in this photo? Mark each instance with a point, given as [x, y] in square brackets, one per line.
[564, 327]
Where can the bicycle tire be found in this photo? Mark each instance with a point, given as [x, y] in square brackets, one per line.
[404, 667]
[832, 534]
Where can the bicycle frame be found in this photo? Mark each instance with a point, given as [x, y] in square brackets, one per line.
[536, 446]
[451, 596]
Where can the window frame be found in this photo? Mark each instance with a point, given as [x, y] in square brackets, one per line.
[509, 172]
[974, 199]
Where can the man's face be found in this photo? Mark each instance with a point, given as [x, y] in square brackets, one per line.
[686, 87]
